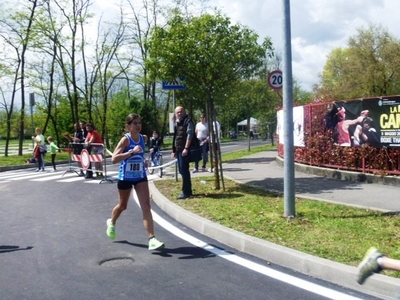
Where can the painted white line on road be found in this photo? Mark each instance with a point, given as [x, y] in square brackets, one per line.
[297, 282]
[28, 176]
[72, 179]
[53, 177]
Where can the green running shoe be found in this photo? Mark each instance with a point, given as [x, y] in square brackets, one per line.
[110, 229]
[369, 265]
[155, 244]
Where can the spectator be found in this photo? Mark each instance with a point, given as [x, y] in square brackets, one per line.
[40, 149]
[94, 141]
[154, 144]
[201, 131]
[53, 151]
[89, 172]
[77, 143]
[183, 135]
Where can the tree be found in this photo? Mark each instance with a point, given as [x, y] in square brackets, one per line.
[368, 67]
[212, 55]
[16, 28]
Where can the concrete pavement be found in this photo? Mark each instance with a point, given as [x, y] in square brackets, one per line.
[265, 170]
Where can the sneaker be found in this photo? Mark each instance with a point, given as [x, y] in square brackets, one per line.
[155, 244]
[110, 229]
[195, 171]
[369, 265]
[37, 170]
[204, 169]
[182, 196]
[42, 170]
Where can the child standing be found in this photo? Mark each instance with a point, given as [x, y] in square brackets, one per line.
[53, 151]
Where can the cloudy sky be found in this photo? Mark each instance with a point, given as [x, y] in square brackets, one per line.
[317, 26]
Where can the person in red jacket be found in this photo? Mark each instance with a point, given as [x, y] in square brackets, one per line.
[95, 142]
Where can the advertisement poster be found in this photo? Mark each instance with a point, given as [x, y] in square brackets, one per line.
[375, 122]
[298, 126]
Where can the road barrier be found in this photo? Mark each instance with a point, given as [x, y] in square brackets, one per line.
[85, 158]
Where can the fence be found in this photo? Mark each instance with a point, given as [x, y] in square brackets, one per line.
[321, 150]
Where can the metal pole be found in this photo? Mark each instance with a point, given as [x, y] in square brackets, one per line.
[176, 164]
[32, 103]
[289, 187]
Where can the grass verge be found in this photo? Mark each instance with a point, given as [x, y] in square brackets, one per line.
[336, 232]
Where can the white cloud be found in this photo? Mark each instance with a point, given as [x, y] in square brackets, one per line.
[317, 26]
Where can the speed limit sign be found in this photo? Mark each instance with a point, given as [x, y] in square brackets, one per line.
[275, 79]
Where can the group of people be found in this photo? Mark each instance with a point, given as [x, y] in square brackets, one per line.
[85, 136]
[40, 149]
[130, 154]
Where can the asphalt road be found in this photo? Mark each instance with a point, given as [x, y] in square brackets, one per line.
[54, 246]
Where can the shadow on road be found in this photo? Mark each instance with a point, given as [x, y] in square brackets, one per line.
[7, 248]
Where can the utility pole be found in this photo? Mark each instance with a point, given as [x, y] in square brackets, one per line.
[32, 104]
[289, 186]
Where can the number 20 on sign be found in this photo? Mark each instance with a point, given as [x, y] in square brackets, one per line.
[275, 79]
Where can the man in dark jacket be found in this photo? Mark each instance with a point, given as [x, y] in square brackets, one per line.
[183, 135]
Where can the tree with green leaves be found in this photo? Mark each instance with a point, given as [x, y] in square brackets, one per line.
[211, 53]
[15, 32]
[368, 67]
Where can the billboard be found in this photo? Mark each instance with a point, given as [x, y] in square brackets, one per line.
[374, 121]
[298, 126]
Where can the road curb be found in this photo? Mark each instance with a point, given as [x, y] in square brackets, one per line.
[343, 174]
[381, 286]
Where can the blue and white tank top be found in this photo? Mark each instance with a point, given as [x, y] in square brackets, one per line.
[133, 168]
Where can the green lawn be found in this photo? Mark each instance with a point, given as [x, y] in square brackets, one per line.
[336, 232]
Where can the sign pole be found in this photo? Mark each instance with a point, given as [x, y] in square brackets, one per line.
[32, 103]
[176, 84]
[176, 163]
[289, 187]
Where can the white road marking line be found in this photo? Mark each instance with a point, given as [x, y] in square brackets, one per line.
[289, 279]
[72, 179]
[29, 176]
[54, 177]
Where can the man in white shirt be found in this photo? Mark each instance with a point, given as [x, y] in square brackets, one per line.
[201, 132]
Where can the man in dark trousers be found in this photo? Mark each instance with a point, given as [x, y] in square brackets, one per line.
[183, 135]
[77, 143]
[89, 172]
